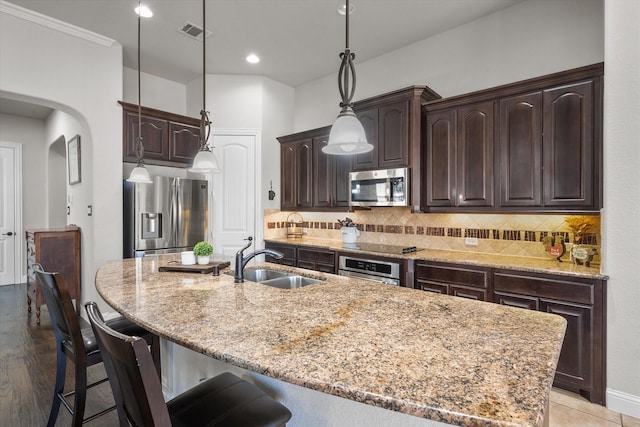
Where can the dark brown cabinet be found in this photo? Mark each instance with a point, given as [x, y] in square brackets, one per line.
[582, 302]
[57, 250]
[317, 259]
[331, 176]
[296, 174]
[458, 154]
[536, 145]
[304, 257]
[520, 150]
[290, 256]
[451, 279]
[311, 179]
[547, 148]
[168, 139]
[392, 123]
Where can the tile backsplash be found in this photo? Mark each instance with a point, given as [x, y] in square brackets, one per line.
[519, 235]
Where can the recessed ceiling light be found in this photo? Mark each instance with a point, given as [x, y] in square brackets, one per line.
[342, 10]
[253, 58]
[144, 11]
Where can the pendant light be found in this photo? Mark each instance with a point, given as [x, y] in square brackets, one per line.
[347, 134]
[205, 161]
[139, 174]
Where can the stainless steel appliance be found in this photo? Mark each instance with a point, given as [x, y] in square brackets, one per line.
[170, 215]
[387, 272]
[387, 187]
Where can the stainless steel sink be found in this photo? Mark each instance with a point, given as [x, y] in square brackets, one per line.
[262, 274]
[277, 278]
[290, 282]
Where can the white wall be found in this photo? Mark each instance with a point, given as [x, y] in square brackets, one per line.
[155, 92]
[81, 76]
[249, 103]
[526, 40]
[621, 230]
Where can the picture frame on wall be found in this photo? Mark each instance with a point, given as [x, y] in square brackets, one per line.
[73, 160]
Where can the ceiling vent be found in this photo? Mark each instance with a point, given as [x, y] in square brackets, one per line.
[192, 30]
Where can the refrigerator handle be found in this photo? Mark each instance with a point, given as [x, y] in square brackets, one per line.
[179, 214]
[172, 209]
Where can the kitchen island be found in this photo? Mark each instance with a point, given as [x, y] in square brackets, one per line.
[439, 358]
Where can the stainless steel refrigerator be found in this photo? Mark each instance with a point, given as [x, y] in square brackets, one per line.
[170, 215]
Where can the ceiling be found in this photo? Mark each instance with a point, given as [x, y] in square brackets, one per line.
[297, 40]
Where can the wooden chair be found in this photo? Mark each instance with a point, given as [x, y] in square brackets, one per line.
[224, 400]
[75, 341]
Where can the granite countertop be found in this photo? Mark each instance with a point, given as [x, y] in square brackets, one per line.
[536, 265]
[433, 356]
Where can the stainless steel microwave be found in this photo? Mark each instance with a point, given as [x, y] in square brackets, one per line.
[387, 187]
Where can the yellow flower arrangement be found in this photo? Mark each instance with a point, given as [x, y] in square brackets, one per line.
[581, 225]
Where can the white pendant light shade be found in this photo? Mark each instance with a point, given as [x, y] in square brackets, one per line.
[205, 162]
[140, 174]
[347, 136]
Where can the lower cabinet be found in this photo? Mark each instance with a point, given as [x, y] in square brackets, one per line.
[304, 257]
[56, 249]
[289, 252]
[581, 301]
[452, 279]
[581, 367]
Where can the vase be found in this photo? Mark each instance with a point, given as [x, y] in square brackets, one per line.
[203, 259]
[349, 234]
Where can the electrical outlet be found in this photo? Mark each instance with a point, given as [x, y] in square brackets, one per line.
[471, 241]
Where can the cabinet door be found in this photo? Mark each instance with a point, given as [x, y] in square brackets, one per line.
[288, 176]
[574, 365]
[520, 150]
[304, 173]
[184, 142]
[342, 167]
[568, 146]
[440, 157]
[154, 137]
[323, 171]
[475, 155]
[393, 135]
[369, 120]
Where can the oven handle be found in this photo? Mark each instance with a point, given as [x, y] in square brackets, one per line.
[385, 280]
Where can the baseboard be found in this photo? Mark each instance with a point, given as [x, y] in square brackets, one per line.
[624, 403]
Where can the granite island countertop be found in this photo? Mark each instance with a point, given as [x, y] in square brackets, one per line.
[520, 263]
[433, 356]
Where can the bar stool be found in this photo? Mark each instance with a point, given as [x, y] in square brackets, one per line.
[224, 400]
[75, 341]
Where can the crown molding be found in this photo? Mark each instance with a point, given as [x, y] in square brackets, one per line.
[55, 24]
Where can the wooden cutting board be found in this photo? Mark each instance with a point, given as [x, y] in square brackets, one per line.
[213, 267]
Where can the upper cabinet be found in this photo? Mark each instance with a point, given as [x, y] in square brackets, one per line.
[311, 179]
[529, 146]
[392, 125]
[458, 154]
[168, 139]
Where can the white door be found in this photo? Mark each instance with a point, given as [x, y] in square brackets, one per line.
[234, 192]
[9, 243]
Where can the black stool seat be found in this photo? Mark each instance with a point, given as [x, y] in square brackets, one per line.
[224, 400]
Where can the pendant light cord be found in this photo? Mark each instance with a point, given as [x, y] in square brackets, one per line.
[205, 124]
[139, 146]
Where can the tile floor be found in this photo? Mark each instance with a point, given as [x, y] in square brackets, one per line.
[571, 410]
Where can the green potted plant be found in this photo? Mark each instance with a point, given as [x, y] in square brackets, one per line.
[202, 251]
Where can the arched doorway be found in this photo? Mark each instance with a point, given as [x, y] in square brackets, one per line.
[57, 184]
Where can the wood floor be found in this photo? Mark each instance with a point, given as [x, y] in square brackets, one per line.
[28, 367]
[27, 374]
